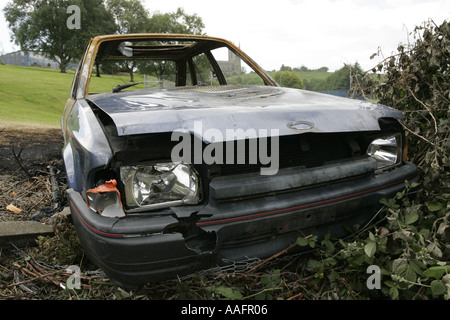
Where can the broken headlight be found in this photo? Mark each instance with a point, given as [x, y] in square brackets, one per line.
[105, 200]
[387, 151]
[160, 185]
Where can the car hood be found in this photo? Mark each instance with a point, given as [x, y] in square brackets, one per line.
[244, 110]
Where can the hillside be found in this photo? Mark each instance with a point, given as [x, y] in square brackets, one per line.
[33, 95]
[36, 96]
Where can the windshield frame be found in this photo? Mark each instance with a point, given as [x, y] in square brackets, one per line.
[83, 74]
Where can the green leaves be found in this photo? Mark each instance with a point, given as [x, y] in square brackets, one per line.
[229, 293]
[411, 217]
[434, 206]
[370, 248]
[371, 245]
[437, 287]
[437, 272]
[307, 241]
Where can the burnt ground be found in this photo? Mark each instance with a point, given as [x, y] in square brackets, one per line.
[33, 148]
[30, 160]
[26, 155]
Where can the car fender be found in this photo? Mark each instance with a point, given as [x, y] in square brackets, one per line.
[86, 146]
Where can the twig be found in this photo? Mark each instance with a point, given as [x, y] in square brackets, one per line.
[344, 281]
[33, 279]
[22, 286]
[422, 103]
[387, 58]
[419, 136]
[357, 81]
[267, 260]
[18, 161]
[300, 296]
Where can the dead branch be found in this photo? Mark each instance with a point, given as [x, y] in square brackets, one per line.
[423, 104]
[267, 260]
[419, 136]
[19, 162]
[357, 81]
[350, 290]
[37, 277]
[298, 296]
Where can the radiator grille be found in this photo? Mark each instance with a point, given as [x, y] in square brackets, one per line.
[308, 150]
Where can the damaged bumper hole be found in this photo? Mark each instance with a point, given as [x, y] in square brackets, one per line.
[105, 200]
[196, 239]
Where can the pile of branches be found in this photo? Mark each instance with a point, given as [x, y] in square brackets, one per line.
[37, 272]
[21, 198]
[416, 80]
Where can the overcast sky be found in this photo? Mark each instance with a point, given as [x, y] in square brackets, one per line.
[313, 33]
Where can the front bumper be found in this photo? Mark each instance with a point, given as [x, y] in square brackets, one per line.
[234, 225]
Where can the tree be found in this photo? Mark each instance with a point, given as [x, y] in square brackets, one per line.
[416, 80]
[289, 79]
[341, 79]
[130, 17]
[41, 25]
[322, 69]
[285, 68]
[176, 22]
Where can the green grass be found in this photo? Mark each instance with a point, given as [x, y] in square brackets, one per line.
[32, 95]
[37, 96]
[105, 82]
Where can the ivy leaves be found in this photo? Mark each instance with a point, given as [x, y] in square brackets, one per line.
[371, 246]
[406, 245]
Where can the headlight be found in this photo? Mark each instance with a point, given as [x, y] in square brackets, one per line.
[386, 151]
[160, 185]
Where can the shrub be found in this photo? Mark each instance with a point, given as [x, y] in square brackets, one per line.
[414, 249]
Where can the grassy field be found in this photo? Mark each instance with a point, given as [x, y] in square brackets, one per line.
[33, 95]
[36, 96]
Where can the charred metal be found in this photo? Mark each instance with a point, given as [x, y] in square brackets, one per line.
[147, 208]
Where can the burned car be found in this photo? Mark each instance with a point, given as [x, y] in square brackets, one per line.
[207, 161]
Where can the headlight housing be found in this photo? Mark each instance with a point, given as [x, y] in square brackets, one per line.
[387, 151]
[160, 185]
